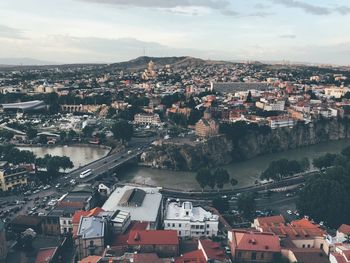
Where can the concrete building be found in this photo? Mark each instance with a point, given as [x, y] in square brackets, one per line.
[270, 105]
[207, 126]
[12, 177]
[247, 246]
[143, 203]
[90, 236]
[280, 122]
[190, 221]
[147, 119]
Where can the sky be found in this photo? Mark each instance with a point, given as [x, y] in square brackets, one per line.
[81, 31]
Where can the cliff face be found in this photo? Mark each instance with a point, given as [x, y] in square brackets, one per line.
[213, 152]
[254, 144]
[251, 143]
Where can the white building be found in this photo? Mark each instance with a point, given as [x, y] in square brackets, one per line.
[280, 122]
[149, 119]
[267, 105]
[190, 221]
[143, 203]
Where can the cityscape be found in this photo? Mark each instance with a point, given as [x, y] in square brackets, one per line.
[182, 145]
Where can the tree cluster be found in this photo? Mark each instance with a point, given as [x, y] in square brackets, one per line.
[281, 168]
[122, 130]
[219, 178]
[326, 196]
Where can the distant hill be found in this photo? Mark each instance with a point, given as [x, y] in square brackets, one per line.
[176, 62]
[5, 62]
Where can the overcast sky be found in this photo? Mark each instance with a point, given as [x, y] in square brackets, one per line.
[68, 31]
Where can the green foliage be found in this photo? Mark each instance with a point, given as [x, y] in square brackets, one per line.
[7, 135]
[194, 116]
[87, 131]
[13, 155]
[54, 163]
[31, 133]
[221, 204]
[205, 178]
[326, 197]
[169, 100]
[122, 130]
[178, 118]
[221, 177]
[246, 205]
[346, 151]
[279, 169]
[324, 161]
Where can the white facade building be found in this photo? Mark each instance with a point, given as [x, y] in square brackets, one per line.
[190, 221]
[151, 119]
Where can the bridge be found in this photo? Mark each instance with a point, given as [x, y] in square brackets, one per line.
[105, 165]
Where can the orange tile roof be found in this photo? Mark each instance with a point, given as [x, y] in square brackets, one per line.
[345, 229]
[45, 255]
[212, 250]
[153, 237]
[192, 257]
[90, 259]
[255, 241]
[271, 220]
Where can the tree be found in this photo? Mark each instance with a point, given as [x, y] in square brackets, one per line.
[87, 131]
[204, 177]
[249, 97]
[324, 161]
[246, 205]
[233, 182]
[71, 134]
[221, 204]
[7, 135]
[346, 152]
[42, 139]
[63, 135]
[221, 177]
[122, 130]
[325, 197]
[31, 133]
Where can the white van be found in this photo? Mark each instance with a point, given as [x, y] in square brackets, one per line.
[85, 173]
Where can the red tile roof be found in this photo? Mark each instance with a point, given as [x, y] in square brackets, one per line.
[339, 258]
[45, 255]
[345, 229]
[153, 237]
[192, 257]
[255, 241]
[147, 258]
[90, 259]
[271, 220]
[212, 250]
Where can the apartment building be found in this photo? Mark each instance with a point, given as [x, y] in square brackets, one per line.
[147, 119]
[12, 177]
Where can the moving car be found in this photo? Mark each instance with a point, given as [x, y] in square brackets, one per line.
[85, 173]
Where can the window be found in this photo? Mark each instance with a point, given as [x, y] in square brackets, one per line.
[179, 233]
[168, 224]
[207, 232]
[262, 256]
[308, 246]
[201, 227]
[208, 226]
[187, 213]
[254, 256]
[303, 246]
[239, 255]
[180, 225]
[173, 224]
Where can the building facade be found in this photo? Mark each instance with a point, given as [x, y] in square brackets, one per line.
[190, 221]
[12, 177]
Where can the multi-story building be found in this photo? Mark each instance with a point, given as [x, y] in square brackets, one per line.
[143, 203]
[91, 236]
[280, 122]
[207, 126]
[190, 221]
[267, 105]
[12, 177]
[148, 119]
[247, 246]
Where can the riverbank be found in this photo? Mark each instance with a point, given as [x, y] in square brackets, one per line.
[246, 172]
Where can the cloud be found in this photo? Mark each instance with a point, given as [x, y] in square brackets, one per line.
[291, 36]
[9, 32]
[313, 9]
[223, 6]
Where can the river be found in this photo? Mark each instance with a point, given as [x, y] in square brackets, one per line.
[79, 155]
[245, 172]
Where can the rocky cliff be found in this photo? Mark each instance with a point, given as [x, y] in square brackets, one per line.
[242, 142]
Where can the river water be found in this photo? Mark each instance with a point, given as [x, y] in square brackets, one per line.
[79, 155]
[245, 172]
